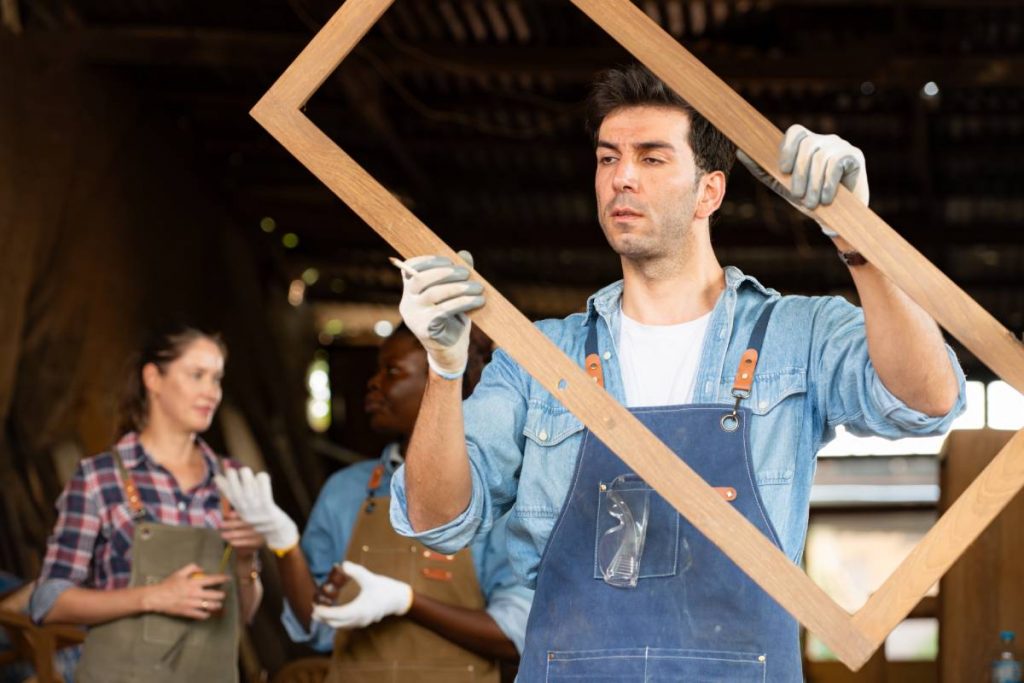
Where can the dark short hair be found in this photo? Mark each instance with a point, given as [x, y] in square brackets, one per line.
[636, 86]
[161, 347]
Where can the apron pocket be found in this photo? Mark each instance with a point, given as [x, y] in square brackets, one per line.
[660, 556]
[655, 665]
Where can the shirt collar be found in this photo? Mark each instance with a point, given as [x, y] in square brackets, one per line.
[391, 457]
[608, 299]
[134, 456]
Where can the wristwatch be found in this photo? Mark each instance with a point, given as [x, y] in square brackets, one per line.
[852, 258]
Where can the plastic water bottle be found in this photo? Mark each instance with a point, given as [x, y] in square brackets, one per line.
[1006, 667]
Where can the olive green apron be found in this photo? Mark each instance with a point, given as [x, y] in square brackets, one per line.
[397, 650]
[157, 648]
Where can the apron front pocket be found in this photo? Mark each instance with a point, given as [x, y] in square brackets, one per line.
[660, 557]
[655, 665]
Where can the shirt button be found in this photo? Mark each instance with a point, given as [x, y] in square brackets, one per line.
[707, 387]
[762, 405]
[543, 436]
[606, 355]
[182, 506]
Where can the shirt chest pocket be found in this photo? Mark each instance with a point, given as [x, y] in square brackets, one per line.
[773, 393]
[550, 426]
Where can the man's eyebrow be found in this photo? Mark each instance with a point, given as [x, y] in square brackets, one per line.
[643, 146]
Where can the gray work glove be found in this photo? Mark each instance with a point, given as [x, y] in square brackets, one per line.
[434, 305]
[818, 164]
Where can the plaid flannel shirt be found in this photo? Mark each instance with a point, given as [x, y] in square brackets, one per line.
[92, 539]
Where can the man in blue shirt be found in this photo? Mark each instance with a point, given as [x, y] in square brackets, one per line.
[419, 615]
[745, 385]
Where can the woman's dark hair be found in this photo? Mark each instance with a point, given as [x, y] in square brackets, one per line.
[636, 86]
[161, 349]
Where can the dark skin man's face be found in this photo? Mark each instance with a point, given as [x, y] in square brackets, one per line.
[394, 393]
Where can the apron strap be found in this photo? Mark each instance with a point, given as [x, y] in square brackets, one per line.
[372, 485]
[744, 380]
[744, 375]
[135, 499]
[131, 492]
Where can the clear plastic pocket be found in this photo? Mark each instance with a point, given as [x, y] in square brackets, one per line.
[621, 547]
[637, 533]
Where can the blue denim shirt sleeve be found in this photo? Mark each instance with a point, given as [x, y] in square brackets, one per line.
[325, 541]
[849, 389]
[508, 602]
[495, 411]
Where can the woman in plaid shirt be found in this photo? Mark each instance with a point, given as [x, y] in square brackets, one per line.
[172, 397]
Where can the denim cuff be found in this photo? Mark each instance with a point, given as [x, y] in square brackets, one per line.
[448, 538]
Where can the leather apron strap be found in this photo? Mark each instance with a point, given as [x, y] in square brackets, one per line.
[157, 648]
[397, 649]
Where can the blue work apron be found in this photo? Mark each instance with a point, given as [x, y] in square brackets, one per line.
[693, 616]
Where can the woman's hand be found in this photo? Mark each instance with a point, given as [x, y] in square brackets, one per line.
[241, 536]
[186, 593]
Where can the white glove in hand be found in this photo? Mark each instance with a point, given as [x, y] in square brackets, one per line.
[379, 597]
[434, 305]
[819, 164]
[253, 499]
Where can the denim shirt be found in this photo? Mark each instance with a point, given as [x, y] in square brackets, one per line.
[813, 374]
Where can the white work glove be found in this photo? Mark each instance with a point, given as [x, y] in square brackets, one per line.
[819, 164]
[379, 596]
[434, 305]
[253, 499]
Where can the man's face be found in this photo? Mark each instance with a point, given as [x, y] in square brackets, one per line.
[393, 395]
[646, 181]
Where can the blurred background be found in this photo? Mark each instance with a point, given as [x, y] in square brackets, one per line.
[135, 189]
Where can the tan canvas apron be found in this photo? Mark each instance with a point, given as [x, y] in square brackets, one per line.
[157, 648]
[396, 650]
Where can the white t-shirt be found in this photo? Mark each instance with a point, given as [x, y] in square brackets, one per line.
[659, 362]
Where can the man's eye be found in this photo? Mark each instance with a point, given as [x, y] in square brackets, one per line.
[605, 161]
[394, 371]
[653, 161]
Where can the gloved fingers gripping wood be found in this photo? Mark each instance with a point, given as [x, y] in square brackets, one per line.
[436, 295]
[819, 164]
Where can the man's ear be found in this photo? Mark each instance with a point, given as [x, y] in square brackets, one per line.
[712, 192]
[151, 377]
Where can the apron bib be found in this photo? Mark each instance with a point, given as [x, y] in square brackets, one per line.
[693, 615]
[157, 648]
[397, 650]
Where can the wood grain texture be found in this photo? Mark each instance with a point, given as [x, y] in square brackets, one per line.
[852, 639]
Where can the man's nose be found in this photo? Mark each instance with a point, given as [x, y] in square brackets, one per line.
[374, 382]
[625, 179]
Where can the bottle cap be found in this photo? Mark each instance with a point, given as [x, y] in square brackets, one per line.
[1006, 635]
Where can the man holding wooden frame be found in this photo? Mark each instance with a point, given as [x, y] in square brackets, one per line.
[744, 385]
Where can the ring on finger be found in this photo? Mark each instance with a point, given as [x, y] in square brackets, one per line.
[204, 605]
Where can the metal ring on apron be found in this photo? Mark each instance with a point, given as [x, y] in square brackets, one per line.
[730, 422]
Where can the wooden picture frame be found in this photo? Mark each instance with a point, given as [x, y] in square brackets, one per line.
[853, 638]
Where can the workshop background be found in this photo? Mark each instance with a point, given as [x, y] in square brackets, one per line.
[135, 188]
